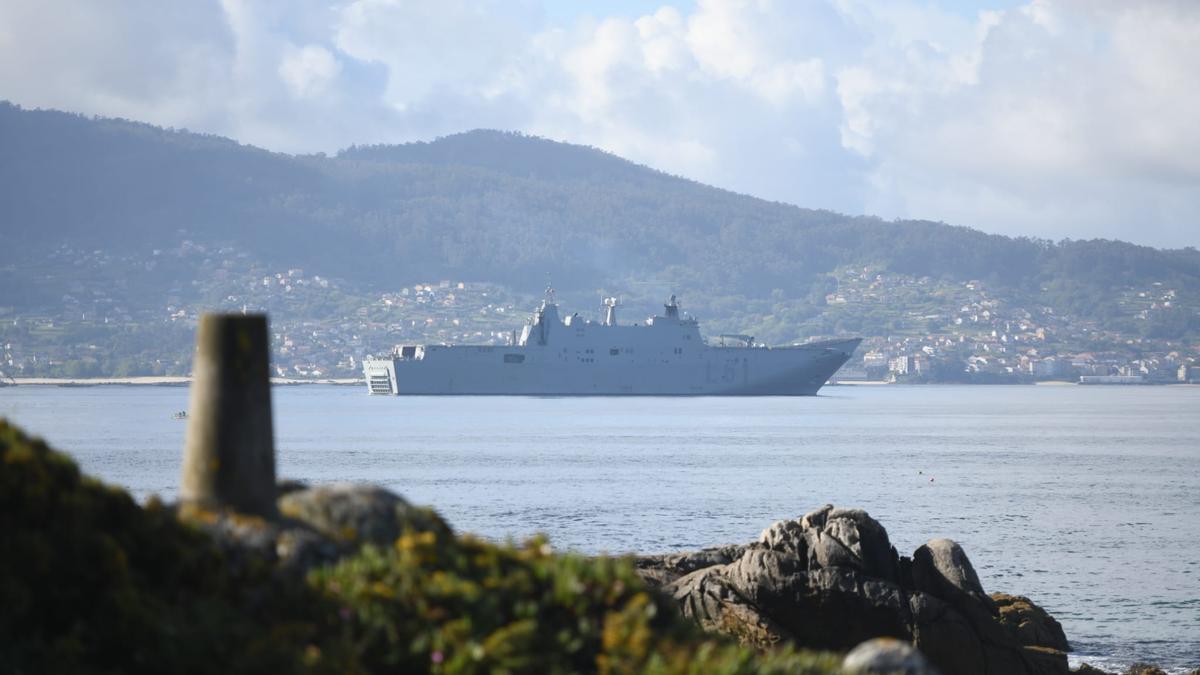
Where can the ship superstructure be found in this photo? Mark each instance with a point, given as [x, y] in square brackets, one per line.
[558, 356]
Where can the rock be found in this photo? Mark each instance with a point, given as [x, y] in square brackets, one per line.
[244, 539]
[300, 550]
[289, 485]
[945, 636]
[888, 656]
[317, 526]
[1031, 624]
[660, 570]
[707, 597]
[1144, 669]
[803, 581]
[848, 538]
[838, 609]
[832, 580]
[1045, 660]
[292, 548]
[942, 569]
[358, 513]
[785, 536]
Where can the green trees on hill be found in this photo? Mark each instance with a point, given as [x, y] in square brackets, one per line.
[493, 206]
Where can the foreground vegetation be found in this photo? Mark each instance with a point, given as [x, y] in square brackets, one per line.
[90, 581]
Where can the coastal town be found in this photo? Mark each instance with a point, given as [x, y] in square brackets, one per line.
[104, 325]
[98, 319]
[966, 333]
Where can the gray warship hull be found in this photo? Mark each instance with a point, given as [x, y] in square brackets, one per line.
[664, 357]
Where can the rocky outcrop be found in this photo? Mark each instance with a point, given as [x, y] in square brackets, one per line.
[667, 568]
[1144, 669]
[1030, 624]
[358, 513]
[317, 525]
[832, 580]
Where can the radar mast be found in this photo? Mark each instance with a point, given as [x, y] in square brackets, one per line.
[610, 311]
[672, 308]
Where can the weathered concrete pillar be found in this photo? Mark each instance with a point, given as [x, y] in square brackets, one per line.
[229, 457]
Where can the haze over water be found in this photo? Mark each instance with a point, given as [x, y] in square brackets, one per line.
[1084, 499]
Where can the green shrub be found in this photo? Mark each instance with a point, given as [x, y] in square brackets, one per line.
[460, 605]
[92, 582]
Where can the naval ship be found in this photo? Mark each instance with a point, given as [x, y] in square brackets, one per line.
[666, 356]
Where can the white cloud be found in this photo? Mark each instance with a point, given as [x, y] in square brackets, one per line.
[457, 45]
[309, 70]
[1077, 122]
[663, 37]
[141, 60]
[741, 41]
[1057, 118]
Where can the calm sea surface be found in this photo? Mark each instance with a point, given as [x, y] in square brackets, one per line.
[1086, 499]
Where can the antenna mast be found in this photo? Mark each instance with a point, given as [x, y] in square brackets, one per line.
[610, 311]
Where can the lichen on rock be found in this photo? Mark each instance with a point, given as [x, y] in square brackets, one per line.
[1029, 623]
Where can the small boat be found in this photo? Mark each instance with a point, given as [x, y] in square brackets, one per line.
[181, 415]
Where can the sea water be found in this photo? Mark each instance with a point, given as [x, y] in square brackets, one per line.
[1085, 499]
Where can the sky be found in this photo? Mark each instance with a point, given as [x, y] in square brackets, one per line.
[1047, 118]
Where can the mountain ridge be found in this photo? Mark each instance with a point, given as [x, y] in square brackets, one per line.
[497, 206]
[117, 235]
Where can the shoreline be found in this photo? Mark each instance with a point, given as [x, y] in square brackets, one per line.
[185, 380]
[1041, 383]
[161, 381]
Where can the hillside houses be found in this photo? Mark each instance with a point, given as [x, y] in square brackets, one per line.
[961, 333]
[135, 313]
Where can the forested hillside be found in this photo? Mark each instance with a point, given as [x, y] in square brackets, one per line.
[101, 219]
[494, 206]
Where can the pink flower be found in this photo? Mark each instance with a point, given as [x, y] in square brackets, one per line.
[436, 657]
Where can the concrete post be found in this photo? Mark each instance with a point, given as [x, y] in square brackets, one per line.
[229, 457]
